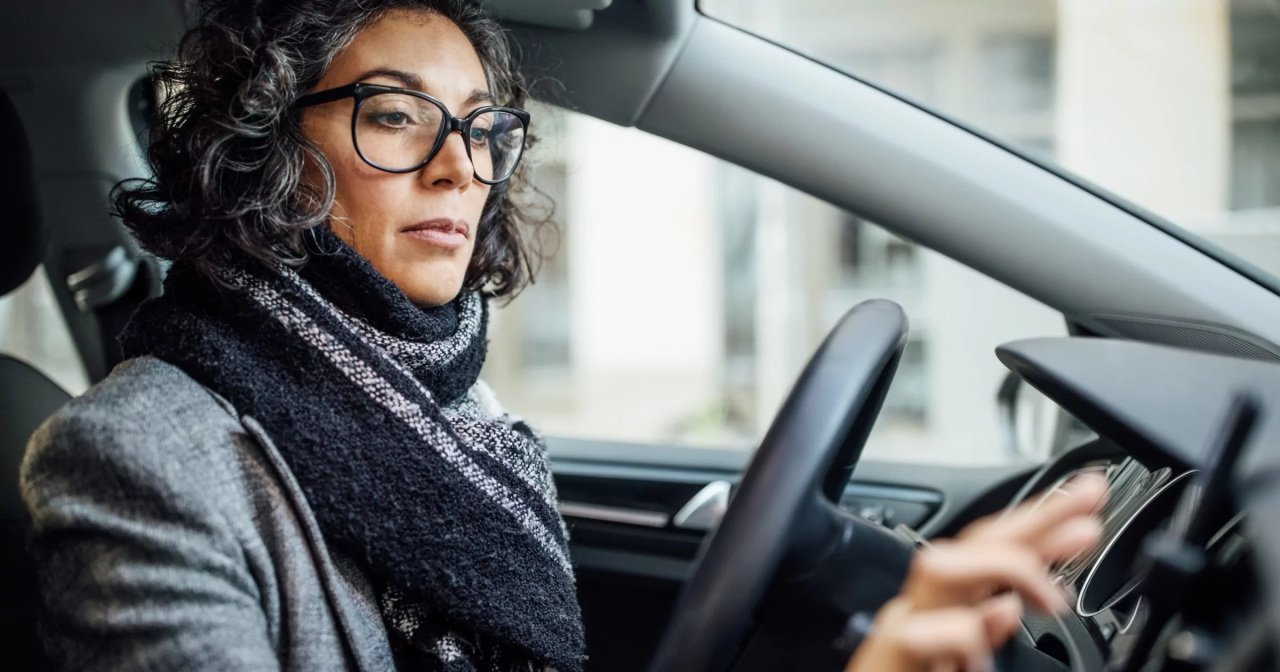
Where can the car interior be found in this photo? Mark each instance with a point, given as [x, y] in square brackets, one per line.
[700, 559]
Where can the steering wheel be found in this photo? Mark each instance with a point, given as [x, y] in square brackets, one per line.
[783, 533]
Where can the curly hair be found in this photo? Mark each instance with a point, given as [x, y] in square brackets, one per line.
[227, 151]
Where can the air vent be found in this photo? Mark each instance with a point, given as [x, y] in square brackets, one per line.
[1190, 335]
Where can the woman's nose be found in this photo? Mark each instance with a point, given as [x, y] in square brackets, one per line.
[451, 168]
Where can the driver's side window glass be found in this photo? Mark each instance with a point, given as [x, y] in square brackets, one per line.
[687, 293]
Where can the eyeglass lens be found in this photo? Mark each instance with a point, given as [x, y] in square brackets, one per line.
[397, 131]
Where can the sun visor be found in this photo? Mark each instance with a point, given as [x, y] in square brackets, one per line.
[562, 14]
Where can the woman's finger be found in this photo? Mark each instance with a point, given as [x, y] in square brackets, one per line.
[966, 573]
[1029, 522]
[956, 639]
[944, 640]
[1070, 539]
[1001, 617]
[1033, 523]
[948, 638]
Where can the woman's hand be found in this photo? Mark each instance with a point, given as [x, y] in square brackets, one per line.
[963, 598]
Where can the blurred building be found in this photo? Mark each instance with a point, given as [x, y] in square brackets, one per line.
[688, 293]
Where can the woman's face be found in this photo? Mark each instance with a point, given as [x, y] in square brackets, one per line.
[418, 229]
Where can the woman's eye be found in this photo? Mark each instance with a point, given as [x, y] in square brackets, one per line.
[479, 137]
[390, 119]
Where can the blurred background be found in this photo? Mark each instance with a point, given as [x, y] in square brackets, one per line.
[686, 294]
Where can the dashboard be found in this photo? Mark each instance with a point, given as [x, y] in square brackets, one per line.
[1158, 413]
[1105, 584]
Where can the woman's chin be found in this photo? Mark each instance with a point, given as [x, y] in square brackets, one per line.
[429, 293]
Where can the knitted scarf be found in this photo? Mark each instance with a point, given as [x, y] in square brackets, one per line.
[409, 463]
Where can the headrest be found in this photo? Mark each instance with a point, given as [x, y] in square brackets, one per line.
[21, 231]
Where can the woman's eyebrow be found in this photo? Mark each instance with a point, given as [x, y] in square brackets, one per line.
[411, 81]
[407, 79]
[478, 97]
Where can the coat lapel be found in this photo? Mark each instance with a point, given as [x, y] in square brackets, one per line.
[350, 595]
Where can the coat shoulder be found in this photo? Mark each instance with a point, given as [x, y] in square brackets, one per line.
[146, 422]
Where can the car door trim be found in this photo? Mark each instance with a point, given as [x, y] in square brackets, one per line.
[614, 514]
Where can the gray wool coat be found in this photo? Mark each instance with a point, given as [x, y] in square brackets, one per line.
[170, 535]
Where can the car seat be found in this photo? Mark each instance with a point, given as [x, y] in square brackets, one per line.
[27, 397]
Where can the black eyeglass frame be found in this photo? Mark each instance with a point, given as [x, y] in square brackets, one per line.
[449, 123]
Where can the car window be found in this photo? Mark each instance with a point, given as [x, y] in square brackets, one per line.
[1174, 106]
[686, 294]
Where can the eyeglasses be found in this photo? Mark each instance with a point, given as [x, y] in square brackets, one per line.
[401, 130]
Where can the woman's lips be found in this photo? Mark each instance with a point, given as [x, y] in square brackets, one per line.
[443, 232]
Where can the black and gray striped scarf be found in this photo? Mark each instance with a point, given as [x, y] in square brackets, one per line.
[409, 463]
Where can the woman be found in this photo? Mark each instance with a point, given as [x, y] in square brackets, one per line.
[299, 467]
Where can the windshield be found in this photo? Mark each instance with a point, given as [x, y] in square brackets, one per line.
[1174, 106]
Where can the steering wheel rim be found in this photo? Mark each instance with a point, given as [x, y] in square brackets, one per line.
[804, 461]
